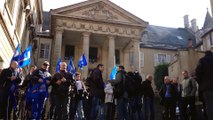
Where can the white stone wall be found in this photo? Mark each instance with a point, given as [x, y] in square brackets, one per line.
[10, 35]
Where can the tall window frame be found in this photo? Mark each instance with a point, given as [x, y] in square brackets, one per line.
[44, 51]
[69, 52]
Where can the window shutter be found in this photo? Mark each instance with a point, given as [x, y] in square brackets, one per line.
[168, 58]
[155, 59]
[142, 59]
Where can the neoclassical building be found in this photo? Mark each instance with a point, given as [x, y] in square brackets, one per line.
[101, 30]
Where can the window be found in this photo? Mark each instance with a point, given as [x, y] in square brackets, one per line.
[19, 20]
[210, 39]
[93, 54]
[161, 59]
[69, 52]
[44, 51]
[117, 57]
[142, 59]
[131, 58]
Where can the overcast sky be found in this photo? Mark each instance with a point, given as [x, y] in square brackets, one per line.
[168, 13]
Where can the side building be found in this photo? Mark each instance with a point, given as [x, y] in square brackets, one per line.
[187, 59]
[19, 22]
[160, 45]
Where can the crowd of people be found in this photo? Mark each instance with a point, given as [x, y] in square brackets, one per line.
[62, 96]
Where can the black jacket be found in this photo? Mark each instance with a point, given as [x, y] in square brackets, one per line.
[63, 88]
[5, 78]
[147, 89]
[204, 73]
[97, 84]
[172, 91]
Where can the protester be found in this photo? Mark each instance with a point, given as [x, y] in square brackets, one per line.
[189, 89]
[97, 93]
[26, 114]
[148, 98]
[178, 90]
[78, 107]
[61, 82]
[168, 94]
[120, 93]
[9, 81]
[134, 88]
[109, 101]
[204, 78]
[40, 80]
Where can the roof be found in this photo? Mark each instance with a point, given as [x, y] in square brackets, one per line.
[166, 38]
[208, 23]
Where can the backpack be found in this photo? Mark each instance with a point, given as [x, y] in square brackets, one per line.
[130, 85]
[119, 88]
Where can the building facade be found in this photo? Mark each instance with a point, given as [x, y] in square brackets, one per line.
[19, 20]
[101, 30]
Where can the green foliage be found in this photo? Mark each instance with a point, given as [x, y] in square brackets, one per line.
[159, 73]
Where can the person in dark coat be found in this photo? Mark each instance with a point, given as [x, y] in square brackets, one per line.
[10, 80]
[61, 82]
[168, 94]
[121, 93]
[148, 98]
[204, 79]
[97, 92]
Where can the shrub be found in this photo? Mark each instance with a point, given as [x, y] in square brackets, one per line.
[159, 73]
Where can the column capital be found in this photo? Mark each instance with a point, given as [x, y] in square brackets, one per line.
[111, 37]
[59, 30]
[86, 34]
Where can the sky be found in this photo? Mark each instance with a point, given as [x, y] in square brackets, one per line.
[167, 13]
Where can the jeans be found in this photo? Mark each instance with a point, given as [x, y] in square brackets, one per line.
[122, 109]
[109, 111]
[149, 108]
[79, 110]
[97, 110]
[208, 98]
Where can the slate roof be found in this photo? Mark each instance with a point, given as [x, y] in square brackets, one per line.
[166, 38]
[208, 23]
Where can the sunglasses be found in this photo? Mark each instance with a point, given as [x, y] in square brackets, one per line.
[45, 64]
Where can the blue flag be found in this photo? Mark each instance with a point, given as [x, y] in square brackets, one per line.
[82, 62]
[57, 69]
[113, 73]
[25, 57]
[71, 67]
[16, 54]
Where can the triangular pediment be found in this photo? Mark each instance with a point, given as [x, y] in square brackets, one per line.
[101, 10]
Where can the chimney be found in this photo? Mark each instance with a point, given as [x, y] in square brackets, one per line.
[186, 21]
[194, 25]
[190, 43]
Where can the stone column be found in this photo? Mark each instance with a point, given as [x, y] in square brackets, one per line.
[86, 39]
[111, 54]
[56, 48]
[136, 49]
